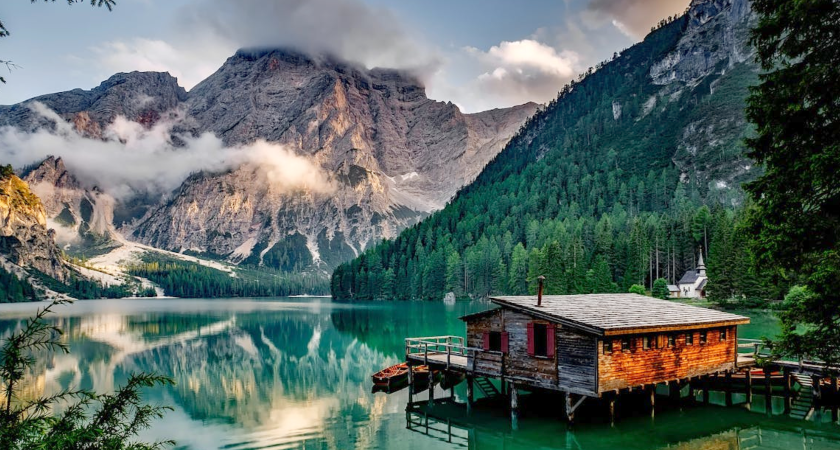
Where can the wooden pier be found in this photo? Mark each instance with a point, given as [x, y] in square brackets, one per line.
[568, 345]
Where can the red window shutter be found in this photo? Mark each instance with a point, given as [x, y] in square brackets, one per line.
[531, 339]
[550, 343]
[504, 342]
[485, 340]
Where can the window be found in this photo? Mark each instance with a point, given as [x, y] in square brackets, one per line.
[672, 340]
[608, 345]
[689, 339]
[702, 337]
[625, 345]
[723, 334]
[496, 341]
[541, 340]
[646, 342]
[540, 344]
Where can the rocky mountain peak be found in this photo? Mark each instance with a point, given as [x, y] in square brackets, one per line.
[53, 172]
[24, 237]
[143, 97]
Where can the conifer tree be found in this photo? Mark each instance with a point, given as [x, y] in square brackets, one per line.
[795, 224]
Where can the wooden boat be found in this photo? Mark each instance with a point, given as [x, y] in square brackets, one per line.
[391, 376]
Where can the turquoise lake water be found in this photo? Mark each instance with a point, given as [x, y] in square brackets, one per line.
[295, 373]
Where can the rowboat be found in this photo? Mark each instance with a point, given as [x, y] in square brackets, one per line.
[391, 376]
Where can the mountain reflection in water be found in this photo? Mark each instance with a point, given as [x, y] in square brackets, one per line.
[288, 373]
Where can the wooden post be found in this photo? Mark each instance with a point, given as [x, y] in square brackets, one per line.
[787, 380]
[749, 385]
[514, 407]
[611, 405]
[706, 385]
[469, 394]
[832, 392]
[410, 385]
[570, 414]
[817, 390]
[728, 388]
[674, 390]
[787, 391]
[691, 395]
[652, 393]
[768, 393]
[431, 388]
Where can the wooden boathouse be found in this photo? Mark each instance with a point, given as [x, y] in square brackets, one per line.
[586, 346]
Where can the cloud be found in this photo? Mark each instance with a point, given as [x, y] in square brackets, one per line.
[206, 32]
[131, 159]
[513, 73]
[188, 64]
[633, 17]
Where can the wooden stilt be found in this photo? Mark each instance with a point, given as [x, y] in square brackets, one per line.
[787, 380]
[832, 397]
[768, 393]
[706, 385]
[786, 385]
[728, 388]
[652, 394]
[691, 394]
[431, 390]
[749, 385]
[570, 413]
[674, 390]
[611, 406]
[469, 394]
[572, 407]
[816, 380]
[514, 406]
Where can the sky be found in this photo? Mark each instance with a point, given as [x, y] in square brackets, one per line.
[478, 54]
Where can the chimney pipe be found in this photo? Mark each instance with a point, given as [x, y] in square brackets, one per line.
[540, 279]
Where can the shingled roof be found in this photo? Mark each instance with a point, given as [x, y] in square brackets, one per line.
[689, 278]
[614, 314]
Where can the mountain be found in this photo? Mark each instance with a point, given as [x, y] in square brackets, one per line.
[25, 240]
[391, 156]
[81, 218]
[623, 179]
[143, 97]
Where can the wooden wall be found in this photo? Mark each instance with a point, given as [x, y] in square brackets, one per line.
[573, 368]
[485, 363]
[577, 356]
[622, 369]
[519, 364]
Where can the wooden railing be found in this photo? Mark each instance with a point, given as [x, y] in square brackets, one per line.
[435, 345]
[801, 363]
[756, 344]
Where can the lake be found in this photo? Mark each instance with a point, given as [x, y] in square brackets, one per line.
[295, 373]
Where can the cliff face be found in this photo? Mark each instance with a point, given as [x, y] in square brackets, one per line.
[81, 218]
[713, 56]
[24, 237]
[393, 156]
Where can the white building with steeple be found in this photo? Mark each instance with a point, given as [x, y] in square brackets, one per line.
[693, 283]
